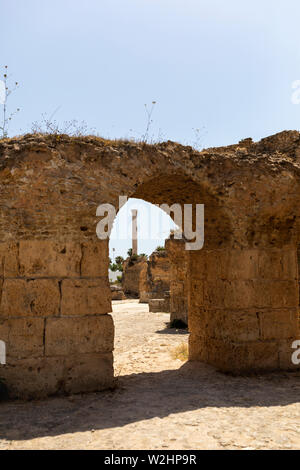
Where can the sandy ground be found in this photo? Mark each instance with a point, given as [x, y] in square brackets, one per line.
[160, 402]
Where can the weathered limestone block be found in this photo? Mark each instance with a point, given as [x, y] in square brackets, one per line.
[251, 293]
[24, 337]
[85, 297]
[179, 301]
[158, 274]
[31, 378]
[286, 351]
[81, 335]
[144, 297]
[39, 297]
[89, 373]
[229, 356]
[44, 258]
[244, 356]
[228, 294]
[94, 262]
[198, 268]
[245, 325]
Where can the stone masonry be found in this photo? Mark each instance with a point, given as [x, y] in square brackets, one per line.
[179, 279]
[131, 278]
[53, 316]
[242, 288]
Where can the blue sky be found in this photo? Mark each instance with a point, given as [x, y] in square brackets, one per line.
[154, 227]
[225, 67]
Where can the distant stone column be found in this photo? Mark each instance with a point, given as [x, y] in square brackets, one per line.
[134, 232]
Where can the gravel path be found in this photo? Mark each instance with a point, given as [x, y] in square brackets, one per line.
[160, 402]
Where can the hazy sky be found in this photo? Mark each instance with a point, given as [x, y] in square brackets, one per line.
[154, 226]
[227, 67]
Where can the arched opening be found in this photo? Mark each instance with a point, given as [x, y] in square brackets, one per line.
[147, 335]
[187, 269]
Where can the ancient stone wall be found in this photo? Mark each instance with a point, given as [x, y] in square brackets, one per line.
[160, 305]
[155, 279]
[53, 317]
[159, 274]
[117, 292]
[131, 276]
[243, 286]
[144, 285]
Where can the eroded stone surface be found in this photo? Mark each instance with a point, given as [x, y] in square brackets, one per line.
[24, 297]
[161, 402]
[85, 297]
[242, 287]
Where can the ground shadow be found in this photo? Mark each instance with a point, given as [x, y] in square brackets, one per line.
[173, 331]
[144, 396]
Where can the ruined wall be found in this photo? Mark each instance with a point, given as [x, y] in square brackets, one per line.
[248, 307]
[243, 292]
[159, 274]
[117, 292]
[179, 277]
[146, 279]
[131, 277]
[155, 278]
[53, 317]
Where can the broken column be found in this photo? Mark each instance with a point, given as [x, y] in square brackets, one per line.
[134, 232]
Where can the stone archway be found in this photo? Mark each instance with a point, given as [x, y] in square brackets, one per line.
[243, 296]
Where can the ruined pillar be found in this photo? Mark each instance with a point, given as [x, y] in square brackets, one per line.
[242, 288]
[54, 317]
[179, 279]
[243, 308]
